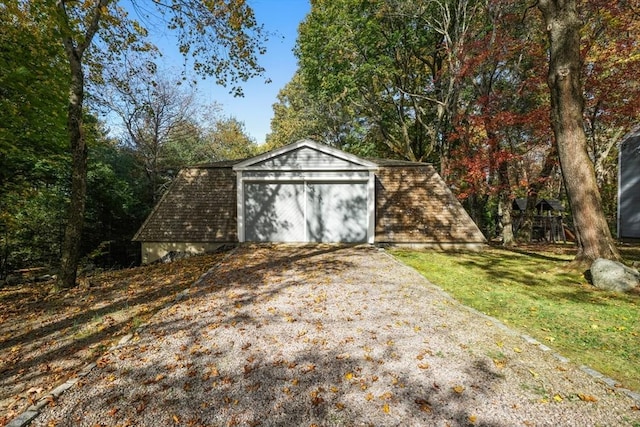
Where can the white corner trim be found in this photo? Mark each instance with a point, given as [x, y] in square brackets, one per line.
[240, 205]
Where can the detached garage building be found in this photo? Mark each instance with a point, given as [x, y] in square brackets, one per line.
[302, 193]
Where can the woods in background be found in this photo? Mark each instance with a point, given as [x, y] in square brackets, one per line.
[464, 84]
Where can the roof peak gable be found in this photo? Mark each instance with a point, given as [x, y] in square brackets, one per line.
[354, 161]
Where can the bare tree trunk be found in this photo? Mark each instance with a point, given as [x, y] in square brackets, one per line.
[75, 216]
[563, 26]
[505, 202]
[75, 50]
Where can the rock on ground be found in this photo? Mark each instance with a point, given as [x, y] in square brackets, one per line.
[613, 276]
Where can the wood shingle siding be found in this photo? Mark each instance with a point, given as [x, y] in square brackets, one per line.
[414, 206]
[199, 206]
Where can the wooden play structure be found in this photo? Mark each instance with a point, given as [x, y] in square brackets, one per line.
[548, 225]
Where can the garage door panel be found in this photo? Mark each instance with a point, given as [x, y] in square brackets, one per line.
[337, 212]
[274, 212]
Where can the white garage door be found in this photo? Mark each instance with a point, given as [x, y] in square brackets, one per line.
[337, 212]
[274, 212]
[306, 212]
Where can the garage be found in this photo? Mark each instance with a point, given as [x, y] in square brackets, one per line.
[306, 192]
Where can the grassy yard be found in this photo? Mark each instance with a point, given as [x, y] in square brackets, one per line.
[535, 293]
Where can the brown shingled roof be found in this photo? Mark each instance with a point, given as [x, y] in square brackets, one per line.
[199, 206]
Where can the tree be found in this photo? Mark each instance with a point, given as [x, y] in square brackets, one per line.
[228, 140]
[396, 64]
[151, 108]
[222, 37]
[298, 114]
[563, 25]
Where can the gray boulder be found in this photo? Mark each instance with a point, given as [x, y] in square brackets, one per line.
[613, 276]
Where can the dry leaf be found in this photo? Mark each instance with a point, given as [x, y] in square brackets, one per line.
[587, 398]
[424, 405]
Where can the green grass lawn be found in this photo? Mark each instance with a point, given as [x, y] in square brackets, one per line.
[536, 293]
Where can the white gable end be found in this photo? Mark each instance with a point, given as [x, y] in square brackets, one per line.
[306, 159]
[305, 155]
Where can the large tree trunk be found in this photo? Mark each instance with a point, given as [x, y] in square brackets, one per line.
[592, 232]
[504, 199]
[75, 50]
[75, 216]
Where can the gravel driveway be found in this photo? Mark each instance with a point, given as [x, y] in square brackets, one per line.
[330, 336]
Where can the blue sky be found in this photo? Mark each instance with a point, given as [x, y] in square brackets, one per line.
[281, 17]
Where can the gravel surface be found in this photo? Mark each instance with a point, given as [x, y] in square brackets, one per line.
[330, 336]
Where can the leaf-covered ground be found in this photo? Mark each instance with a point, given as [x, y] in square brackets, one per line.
[330, 336]
[46, 337]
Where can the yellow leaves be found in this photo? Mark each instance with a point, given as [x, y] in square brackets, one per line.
[316, 398]
[369, 397]
[517, 349]
[458, 389]
[385, 408]
[557, 398]
[387, 395]
[473, 419]
[533, 373]
[423, 365]
[348, 376]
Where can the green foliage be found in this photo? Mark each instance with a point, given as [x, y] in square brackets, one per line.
[298, 114]
[394, 64]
